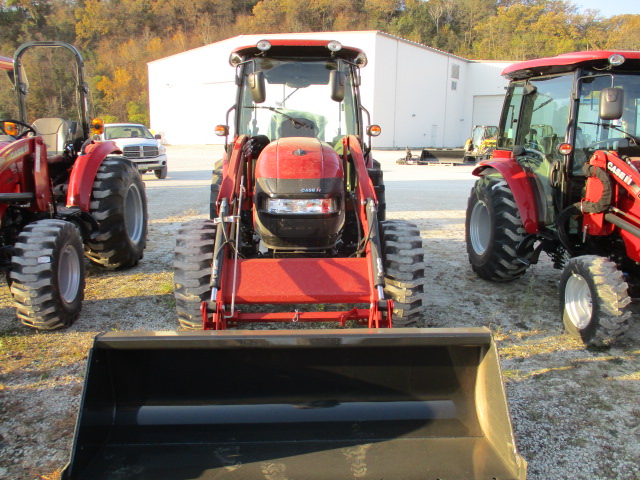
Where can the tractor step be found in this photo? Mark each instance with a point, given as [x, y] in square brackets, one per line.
[298, 280]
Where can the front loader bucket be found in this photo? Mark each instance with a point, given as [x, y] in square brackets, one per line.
[293, 405]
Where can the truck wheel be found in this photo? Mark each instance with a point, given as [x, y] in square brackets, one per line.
[216, 181]
[593, 297]
[493, 231]
[119, 204]
[192, 270]
[403, 258]
[377, 178]
[48, 274]
[161, 174]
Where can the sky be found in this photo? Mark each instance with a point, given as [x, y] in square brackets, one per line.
[609, 8]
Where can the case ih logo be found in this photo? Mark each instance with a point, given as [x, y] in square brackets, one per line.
[619, 173]
[311, 190]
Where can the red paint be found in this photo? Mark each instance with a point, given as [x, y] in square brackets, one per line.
[298, 280]
[625, 197]
[313, 160]
[84, 173]
[24, 169]
[518, 182]
[344, 52]
[568, 60]
[6, 63]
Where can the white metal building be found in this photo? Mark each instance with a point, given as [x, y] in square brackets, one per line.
[420, 96]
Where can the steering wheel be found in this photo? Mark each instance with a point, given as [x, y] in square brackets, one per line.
[534, 147]
[29, 128]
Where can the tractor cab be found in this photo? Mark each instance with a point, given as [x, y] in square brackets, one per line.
[558, 113]
[564, 180]
[298, 90]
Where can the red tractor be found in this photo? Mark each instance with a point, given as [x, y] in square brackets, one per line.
[60, 189]
[564, 180]
[296, 220]
[297, 205]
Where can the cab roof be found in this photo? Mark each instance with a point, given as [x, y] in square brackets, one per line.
[569, 62]
[299, 48]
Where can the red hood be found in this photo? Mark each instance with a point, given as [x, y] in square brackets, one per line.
[298, 158]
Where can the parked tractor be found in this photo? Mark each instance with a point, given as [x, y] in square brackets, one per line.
[62, 196]
[564, 180]
[297, 219]
[481, 143]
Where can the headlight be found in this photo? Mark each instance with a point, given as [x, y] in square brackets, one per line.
[301, 206]
[162, 149]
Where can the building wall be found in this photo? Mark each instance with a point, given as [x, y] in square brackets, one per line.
[407, 88]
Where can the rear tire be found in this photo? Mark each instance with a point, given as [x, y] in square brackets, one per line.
[119, 204]
[192, 270]
[161, 174]
[403, 258]
[48, 274]
[593, 300]
[216, 181]
[494, 231]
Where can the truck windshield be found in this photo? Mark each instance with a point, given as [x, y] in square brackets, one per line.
[298, 102]
[593, 133]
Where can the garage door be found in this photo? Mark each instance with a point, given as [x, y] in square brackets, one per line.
[486, 109]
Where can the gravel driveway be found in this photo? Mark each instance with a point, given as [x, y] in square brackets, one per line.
[575, 412]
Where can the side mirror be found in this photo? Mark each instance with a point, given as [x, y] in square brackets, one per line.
[611, 103]
[157, 136]
[257, 87]
[337, 82]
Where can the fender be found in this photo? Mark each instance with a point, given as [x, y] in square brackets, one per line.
[84, 173]
[518, 182]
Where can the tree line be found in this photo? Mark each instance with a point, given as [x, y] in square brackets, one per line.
[118, 37]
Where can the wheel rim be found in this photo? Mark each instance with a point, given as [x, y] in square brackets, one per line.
[480, 227]
[134, 214]
[577, 301]
[69, 274]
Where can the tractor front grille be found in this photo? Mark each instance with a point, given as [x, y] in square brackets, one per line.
[140, 151]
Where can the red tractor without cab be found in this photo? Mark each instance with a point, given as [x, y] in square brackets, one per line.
[564, 179]
[60, 189]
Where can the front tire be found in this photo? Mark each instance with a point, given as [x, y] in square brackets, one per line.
[403, 258]
[593, 300]
[48, 274]
[494, 230]
[193, 258]
[119, 204]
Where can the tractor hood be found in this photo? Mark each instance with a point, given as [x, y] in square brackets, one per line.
[291, 174]
[299, 165]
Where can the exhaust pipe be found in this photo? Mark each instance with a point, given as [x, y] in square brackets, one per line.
[291, 404]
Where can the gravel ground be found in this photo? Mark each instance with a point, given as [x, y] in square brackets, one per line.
[575, 411]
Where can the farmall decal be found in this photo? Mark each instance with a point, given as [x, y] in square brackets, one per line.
[16, 153]
[619, 173]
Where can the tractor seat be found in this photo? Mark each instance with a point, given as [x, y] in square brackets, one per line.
[54, 132]
[288, 128]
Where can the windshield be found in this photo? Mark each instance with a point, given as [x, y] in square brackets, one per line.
[126, 131]
[593, 133]
[298, 102]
